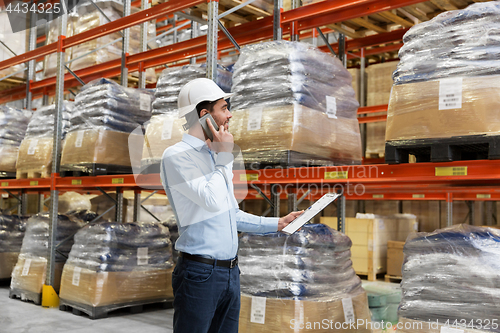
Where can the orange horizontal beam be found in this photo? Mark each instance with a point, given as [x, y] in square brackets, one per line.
[373, 109]
[372, 119]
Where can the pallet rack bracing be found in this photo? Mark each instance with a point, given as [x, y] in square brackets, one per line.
[430, 181]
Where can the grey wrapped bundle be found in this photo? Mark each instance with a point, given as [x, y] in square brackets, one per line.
[12, 229]
[105, 104]
[35, 242]
[283, 73]
[454, 43]
[452, 274]
[113, 247]
[313, 262]
[173, 79]
[42, 121]
[13, 124]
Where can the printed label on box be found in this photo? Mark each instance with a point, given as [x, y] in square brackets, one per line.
[32, 147]
[331, 107]
[168, 126]
[79, 138]
[258, 310]
[26, 267]
[142, 256]
[76, 276]
[450, 94]
[145, 102]
[254, 119]
[348, 310]
[445, 329]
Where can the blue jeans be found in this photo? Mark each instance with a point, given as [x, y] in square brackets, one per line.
[206, 298]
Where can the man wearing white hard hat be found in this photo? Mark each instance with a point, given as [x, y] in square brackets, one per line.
[197, 176]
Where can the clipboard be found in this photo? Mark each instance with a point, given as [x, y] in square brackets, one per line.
[310, 212]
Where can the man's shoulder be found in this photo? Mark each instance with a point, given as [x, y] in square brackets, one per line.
[181, 150]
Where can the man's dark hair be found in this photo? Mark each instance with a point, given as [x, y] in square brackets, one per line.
[205, 105]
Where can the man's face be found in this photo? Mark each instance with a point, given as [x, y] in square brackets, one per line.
[221, 114]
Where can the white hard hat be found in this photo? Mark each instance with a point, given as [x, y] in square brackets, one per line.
[197, 91]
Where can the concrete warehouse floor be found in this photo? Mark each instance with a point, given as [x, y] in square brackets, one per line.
[17, 316]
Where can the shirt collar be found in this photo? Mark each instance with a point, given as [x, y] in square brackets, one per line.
[193, 141]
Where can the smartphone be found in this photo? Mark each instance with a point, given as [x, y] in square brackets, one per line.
[204, 125]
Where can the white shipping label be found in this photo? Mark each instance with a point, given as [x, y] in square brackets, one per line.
[445, 329]
[79, 138]
[258, 310]
[32, 147]
[142, 256]
[145, 102]
[26, 267]
[450, 94]
[331, 107]
[76, 276]
[168, 126]
[254, 119]
[348, 310]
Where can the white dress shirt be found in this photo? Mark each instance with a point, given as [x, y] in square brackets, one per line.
[199, 185]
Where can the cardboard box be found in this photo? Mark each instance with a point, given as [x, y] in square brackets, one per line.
[369, 238]
[35, 154]
[97, 146]
[414, 110]
[8, 261]
[297, 128]
[30, 276]
[8, 158]
[395, 257]
[107, 288]
[287, 315]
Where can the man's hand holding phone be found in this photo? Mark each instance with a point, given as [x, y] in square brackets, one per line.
[223, 141]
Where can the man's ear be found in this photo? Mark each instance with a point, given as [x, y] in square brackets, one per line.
[203, 112]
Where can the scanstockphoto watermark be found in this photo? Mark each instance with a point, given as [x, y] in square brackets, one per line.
[24, 15]
[318, 180]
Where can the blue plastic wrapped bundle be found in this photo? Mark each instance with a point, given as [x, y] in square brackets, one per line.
[283, 73]
[452, 274]
[13, 124]
[173, 79]
[104, 103]
[12, 229]
[113, 247]
[313, 263]
[454, 43]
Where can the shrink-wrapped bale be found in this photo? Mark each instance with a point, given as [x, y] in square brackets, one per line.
[303, 278]
[12, 229]
[451, 276]
[446, 83]
[16, 44]
[104, 116]
[311, 87]
[29, 274]
[35, 153]
[112, 265]
[13, 124]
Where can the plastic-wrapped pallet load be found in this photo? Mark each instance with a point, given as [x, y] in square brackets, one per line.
[292, 283]
[452, 276]
[294, 104]
[12, 228]
[13, 124]
[115, 265]
[14, 41]
[28, 275]
[104, 116]
[109, 47]
[447, 83]
[35, 153]
[165, 128]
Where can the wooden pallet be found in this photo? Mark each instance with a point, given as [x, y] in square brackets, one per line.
[100, 312]
[32, 173]
[94, 169]
[370, 276]
[459, 148]
[26, 296]
[392, 278]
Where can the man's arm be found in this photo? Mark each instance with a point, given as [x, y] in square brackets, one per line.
[258, 224]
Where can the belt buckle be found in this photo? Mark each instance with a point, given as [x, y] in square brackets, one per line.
[233, 263]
